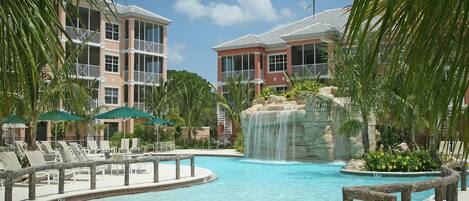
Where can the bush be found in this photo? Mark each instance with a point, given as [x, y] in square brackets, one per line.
[266, 92]
[305, 86]
[416, 161]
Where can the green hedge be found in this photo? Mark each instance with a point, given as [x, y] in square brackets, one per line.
[417, 161]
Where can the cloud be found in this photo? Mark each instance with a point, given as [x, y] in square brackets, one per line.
[175, 55]
[243, 11]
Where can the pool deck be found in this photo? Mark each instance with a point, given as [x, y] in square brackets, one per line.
[462, 196]
[205, 152]
[112, 185]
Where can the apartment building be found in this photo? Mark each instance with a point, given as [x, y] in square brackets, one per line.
[302, 48]
[125, 54]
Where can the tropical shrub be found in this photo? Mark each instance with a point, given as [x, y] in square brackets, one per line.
[266, 92]
[416, 161]
[303, 86]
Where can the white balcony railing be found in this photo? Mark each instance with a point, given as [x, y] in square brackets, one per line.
[149, 77]
[146, 46]
[85, 70]
[245, 75]
[311, 70]
[83, 34]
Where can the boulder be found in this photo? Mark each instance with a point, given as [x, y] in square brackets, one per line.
[277, 99]
[259, 100]
[355, 164]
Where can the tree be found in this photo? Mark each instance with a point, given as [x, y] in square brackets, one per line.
[32, 51]
[238, 97]
[157, 102]
[437, 67]
[359, 78]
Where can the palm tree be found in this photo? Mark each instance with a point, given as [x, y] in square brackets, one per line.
[238, 97]
[32, 53]
[157, 101]
[437, 67]
[359, 78]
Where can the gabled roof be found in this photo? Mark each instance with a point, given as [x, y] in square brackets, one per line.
[135, 11]
[321, 23]
[249, 40]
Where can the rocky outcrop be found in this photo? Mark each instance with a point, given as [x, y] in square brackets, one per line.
[312, 130]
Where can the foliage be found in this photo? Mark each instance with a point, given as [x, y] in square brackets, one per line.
[436, 71]
[58, 129]
[310, 86]
[239, 143]
[358, 76]
[416, 161]
[266, 92]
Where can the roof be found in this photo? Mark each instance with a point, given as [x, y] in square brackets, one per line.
[135, 11]
[319, 24]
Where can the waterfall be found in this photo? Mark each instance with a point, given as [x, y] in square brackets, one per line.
[270, 135]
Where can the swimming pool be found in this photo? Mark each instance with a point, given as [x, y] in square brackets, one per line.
[244, 180]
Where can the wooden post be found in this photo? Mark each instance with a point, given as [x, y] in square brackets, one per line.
[464, 177]
[178, 167]
[156, 164]
[61, 180]
[93, 176]
[9, 186]
[345, 196]
[439, 193]
[32, 185]
[126, 173]
[406, 195]
[452, 192]
[192, 166]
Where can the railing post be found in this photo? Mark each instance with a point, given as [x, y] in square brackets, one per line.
[178, 167]
[9, 186]
[61, 179]
[464, 177]
[406, 195]
[156, 164]
[93, 176]
[452, 192]
[126, 173]
[345, 196]
[32, 185]
[192, 166]
[439, 192]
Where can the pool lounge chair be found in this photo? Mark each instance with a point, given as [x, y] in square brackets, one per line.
[21, 147]
[93, 147]
[9, 161]
[104, 145]
[135, 145]
[47, 147]
[36, 159]
[124, 146]
[67, 155]
[48, 155]
[454, 149]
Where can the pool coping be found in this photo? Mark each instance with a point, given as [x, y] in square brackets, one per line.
[389, 174]
[129, 190]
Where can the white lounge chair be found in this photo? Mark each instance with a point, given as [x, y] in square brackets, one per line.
[67, 155]
[104, 145]
[93, 147]
[124, 146]
[36, 159]
[9, 161]
[135, 145]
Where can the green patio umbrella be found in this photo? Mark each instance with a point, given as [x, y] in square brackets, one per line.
[125, 113]
[157, 122]
[58, 116]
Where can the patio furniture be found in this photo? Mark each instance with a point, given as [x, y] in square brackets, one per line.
[93, 147]
[21, 147]
[36, 159]
[104, 145]
[9, 161]
[49, 157]
[67, 155]
[124, 146]
[135, 145]
[47, 147]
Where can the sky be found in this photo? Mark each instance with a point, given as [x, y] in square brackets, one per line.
[199, 25]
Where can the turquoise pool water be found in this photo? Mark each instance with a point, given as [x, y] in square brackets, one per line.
[243, 180]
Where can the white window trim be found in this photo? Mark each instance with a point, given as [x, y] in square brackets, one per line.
[268, 63]
[118, 32]
[118, 64]
[118, 95]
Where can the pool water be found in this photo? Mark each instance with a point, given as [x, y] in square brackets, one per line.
[244, 180]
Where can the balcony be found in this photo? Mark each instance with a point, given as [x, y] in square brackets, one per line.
[148, 77]
[146, 46]
[85, 70]
[139, 106]
[246, 75]
[83, 34]
[94, 103]
[311, 70]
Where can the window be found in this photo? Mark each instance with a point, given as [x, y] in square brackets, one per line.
[85, 18]
[280, 89]
[148, 32]
[112, 31]
[309, 54]
[126, 29]
[111, 96]
[148, 63]
[277, 63]
[237, 62]
[112, 64]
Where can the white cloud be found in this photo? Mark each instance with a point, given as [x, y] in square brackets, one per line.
[229, 14]
[175, 55]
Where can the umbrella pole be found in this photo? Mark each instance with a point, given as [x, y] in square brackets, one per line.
[55, 136]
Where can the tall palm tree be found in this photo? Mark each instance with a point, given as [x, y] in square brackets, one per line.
[359, 78]
[432, 38]
[238, 97]
[157, 101]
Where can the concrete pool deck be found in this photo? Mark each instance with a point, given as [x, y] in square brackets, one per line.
[113, 185]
